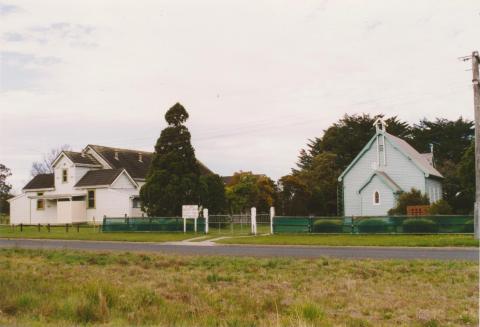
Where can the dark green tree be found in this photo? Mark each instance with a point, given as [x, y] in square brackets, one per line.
[5, 189]
[293, 196]
[212, 193]
[322, 182]
[173, 177]
[461, 181]
[347, 137]
[453, 148]
[450, 138]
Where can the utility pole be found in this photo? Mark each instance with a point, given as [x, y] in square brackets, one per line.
[476, 104]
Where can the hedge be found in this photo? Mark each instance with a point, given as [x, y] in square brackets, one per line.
[373, 225]
[419, 225]
[327, 226]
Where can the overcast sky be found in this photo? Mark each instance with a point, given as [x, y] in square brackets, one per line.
[259, 78]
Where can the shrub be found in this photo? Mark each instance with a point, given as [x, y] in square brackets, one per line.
[419, 225]
[327, 226]
[412, 198]
[373, 225]
[441, 207]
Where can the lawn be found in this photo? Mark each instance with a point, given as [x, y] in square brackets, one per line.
[357, 240]
[70, 288]
[90, 233]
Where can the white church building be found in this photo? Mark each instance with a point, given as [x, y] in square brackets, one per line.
[386, 166]
[84, 187]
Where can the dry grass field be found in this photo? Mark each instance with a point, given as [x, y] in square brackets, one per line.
[63, 288]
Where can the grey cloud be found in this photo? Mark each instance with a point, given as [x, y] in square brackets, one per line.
[6, 9]
[13, 37]
[21, 71]
[373, 25]
[73, 34]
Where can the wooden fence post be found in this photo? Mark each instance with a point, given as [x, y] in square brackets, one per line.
[66, 228]
[38, 227]
[21, 227]
[48, 228]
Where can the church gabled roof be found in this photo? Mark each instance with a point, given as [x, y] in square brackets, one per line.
[419, 158]
[421, 161]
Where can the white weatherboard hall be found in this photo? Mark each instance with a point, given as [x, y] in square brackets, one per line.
[386, 166]
[84, 187]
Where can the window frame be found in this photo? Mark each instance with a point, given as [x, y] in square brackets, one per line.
[94, 199]
[139, 203]
[64, 175]
[42, 201]
[375, 193]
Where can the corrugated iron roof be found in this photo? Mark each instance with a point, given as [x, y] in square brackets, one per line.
[81, 158]
[99, 177]
[420, 159]
[41, 181]
[130, 160]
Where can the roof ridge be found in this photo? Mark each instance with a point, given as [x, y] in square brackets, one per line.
[120, 149]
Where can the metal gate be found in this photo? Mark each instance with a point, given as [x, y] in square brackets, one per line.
[263, 223]
[239, 224]
[230, 224]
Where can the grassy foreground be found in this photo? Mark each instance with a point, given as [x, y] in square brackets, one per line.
[357, 240]
[73, 288]
[91, 234]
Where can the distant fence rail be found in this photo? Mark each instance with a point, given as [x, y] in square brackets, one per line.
[375, 225]
[4, 219]
[150, 224]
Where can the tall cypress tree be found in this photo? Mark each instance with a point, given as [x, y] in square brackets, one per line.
[173, 177]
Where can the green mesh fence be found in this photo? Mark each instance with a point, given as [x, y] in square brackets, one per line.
[151, 224]
[375, 225]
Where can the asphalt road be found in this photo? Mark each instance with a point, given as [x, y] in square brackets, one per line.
[470, 254]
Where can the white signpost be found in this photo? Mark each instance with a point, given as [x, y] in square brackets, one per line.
[253, 216]
[189, 212]
[205, 215]
[272, 215]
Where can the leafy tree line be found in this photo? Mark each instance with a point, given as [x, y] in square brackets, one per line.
[175, 177]
[5, 189]
[311, 188]
[312, 185]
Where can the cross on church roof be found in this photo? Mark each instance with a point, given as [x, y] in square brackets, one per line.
[380, 125]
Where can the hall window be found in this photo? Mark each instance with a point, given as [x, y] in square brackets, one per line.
[40, 202]
[64, 175]
[136, 203]
[90, 199]
[376, 198]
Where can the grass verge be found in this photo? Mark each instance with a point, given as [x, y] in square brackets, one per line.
[91, 234]
[75, 288]
[357, 240]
